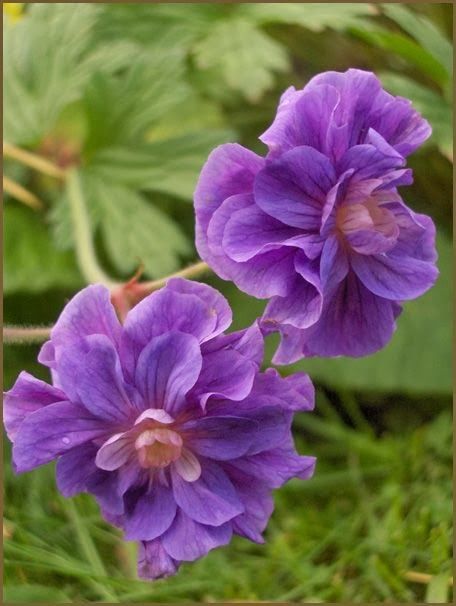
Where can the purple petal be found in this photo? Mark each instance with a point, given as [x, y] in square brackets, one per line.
[275, 467]
[104, 486]
[248, 342]
[293, 188]
[262, 276]
[334, 264]
[266, 275]
[304, 118]
[302, 307]
[211, 499]
[399, 124]
[151, 515]
[229, 170]
[100, 382]
[216, 255]
[187, 540]
[369, 162]
[221, 437]
[416, 234]
[194, 309]
[74, 468]
[250, 231]
[216, 303]
[167, 369]
[224, 373]
[154, 562]
[51, 431]
[27, 395]
[294, 392]
[258, 506]
[395, 278]
[354, 322]
[274, 428]
[90, 312]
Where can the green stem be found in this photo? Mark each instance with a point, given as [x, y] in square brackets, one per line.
[85, 251]
[189, 272]
[90, 552]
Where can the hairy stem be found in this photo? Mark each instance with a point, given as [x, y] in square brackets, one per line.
[32, 160]
[20, 193]
[85, 250]
[25, 334]
[189, 272]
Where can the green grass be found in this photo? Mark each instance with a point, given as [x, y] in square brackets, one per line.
[377, 508]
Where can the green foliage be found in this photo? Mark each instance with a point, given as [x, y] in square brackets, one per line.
[136, 232]
[376, 508]
[433, 106]
[245, 57]
[428, 50]
[425, 32]
[31, 262]
[315, 16]
[135, 96]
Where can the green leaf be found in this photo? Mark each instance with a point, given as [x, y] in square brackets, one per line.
[315, 16]
[158, 24]
[246, 57]
[171, 166]
[136, 232]
[425, 32]
[433, 107]
[34, 593]
[407, 49]
[31, 264]
[438, 590]
[122, 108]
[51, 53]
[45, 78]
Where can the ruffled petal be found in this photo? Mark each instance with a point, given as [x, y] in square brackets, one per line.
[74, 468]
[354, 322]
[276, 466]
[221, 437]
[27, 395]
[51, 431]
[151, 514]
[100, 383]
[167, 369]
[211, 499]
[153, 561]
[248, 342]
[394, 278]
[293, 188]
[188, 540]
[333, 264]
[229, 170]
[250, 232]
[90, 312]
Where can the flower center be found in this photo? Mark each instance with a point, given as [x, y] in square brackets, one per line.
[158, 447]
[367, 216]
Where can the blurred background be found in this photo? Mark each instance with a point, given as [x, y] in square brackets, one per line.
[136, 96]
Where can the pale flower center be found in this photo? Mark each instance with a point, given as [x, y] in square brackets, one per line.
[158, 447]
[370, 215]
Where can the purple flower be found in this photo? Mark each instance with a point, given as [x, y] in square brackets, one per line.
[166, 420]
[318, 227]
